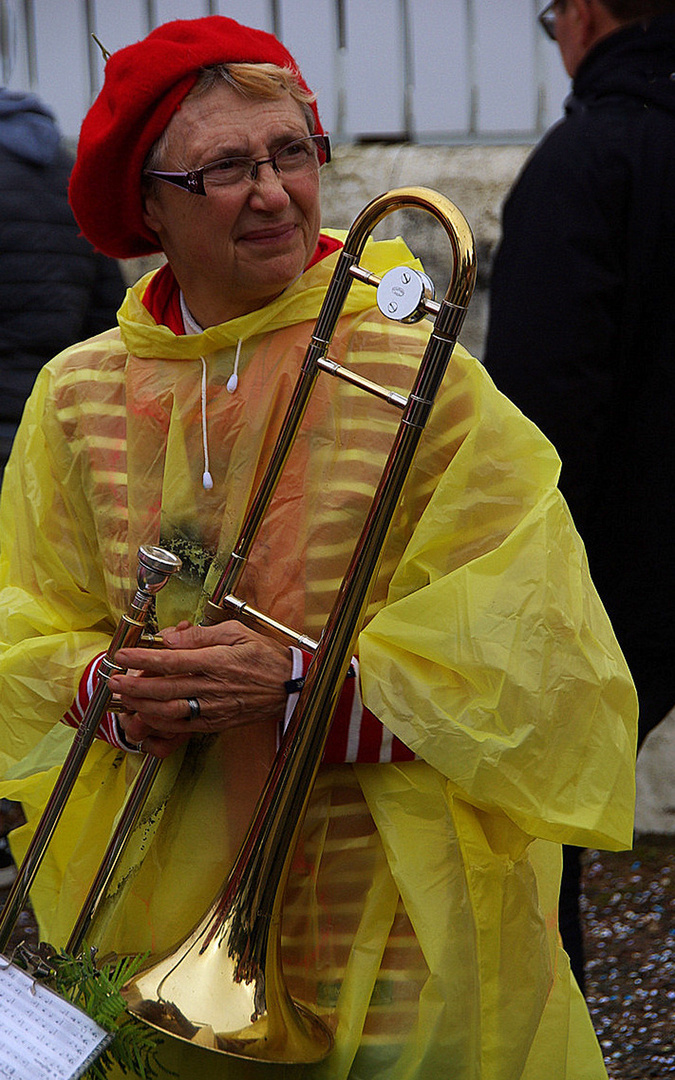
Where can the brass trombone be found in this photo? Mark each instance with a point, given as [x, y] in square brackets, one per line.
[227, 974]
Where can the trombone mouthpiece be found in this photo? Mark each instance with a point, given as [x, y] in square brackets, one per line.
[155, 567]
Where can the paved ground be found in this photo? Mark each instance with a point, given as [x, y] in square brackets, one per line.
[629, 901]
[629, 923]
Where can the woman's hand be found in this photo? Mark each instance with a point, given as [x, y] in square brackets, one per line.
[235, 674]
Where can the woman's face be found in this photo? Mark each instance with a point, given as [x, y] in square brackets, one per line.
[237, 248]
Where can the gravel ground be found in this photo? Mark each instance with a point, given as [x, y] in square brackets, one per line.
[629, 927]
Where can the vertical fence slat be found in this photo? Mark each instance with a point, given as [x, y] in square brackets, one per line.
[373, 70]
[555, 84]
[441, 91]
[62, 61]
[316, 53]
[505, 68]
[257, 13]
[168, 10]
[117, 25]
[17, 63]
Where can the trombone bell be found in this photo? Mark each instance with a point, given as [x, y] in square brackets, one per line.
[253, 1017]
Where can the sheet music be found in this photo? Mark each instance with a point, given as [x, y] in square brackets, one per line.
[42, 1036]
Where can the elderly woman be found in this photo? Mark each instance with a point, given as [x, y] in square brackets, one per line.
[492, 717]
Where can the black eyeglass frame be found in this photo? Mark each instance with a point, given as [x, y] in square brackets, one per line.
[193, 180]
[546, 19]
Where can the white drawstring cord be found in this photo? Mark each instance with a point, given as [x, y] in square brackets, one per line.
[233, 380]
[207, 479]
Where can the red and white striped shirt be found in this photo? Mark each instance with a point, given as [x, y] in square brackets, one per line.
[356, 734]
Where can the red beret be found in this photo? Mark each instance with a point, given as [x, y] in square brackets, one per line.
[144, 85]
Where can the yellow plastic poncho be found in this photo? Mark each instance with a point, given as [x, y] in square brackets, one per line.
[420, 917]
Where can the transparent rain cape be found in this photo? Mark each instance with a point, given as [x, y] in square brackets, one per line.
[421, 911]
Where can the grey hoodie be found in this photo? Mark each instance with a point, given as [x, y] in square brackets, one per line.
[27, 127]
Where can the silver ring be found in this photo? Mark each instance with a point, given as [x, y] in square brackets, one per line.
[194, 707]
[139, 746]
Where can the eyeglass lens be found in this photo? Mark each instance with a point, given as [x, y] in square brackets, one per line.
[292, 158]
[547, 20]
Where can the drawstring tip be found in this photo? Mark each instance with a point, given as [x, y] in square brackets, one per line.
[207, 481]
[232, 383]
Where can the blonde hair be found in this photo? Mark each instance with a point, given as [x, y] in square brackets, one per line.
[268, 81]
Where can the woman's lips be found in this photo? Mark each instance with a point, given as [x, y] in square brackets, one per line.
[270, 235]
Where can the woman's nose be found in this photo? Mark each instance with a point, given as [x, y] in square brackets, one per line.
[268, 186]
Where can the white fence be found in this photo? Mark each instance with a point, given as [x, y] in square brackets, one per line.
[429, 71]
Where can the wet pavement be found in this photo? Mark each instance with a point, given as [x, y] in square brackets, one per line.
[629, 929]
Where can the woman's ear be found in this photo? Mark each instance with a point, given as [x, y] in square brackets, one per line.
[152, 216]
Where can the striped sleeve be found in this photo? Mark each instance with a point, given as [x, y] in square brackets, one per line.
[109, 730]
[356, 735]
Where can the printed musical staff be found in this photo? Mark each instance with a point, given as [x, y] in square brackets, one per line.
[42, 1036]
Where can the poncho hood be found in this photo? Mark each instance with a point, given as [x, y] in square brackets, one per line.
[300, 302]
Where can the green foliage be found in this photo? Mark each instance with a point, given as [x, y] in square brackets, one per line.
[97, 991]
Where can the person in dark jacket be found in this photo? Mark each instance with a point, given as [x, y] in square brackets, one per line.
[581, 332]
[54, 288]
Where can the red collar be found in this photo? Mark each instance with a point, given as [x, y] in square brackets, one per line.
[162, 296]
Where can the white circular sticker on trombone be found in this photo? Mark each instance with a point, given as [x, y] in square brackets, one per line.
[401, 292]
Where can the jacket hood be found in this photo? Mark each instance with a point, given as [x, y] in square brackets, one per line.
[27, 127]
[637, 62]
[298, 303]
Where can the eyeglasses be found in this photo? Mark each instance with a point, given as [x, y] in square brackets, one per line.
[301, 155]
[546, 19]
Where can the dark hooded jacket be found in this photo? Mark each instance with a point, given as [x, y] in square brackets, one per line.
[582, 330]
[54, 289]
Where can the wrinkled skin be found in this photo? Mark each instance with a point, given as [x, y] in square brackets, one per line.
[236, 675]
